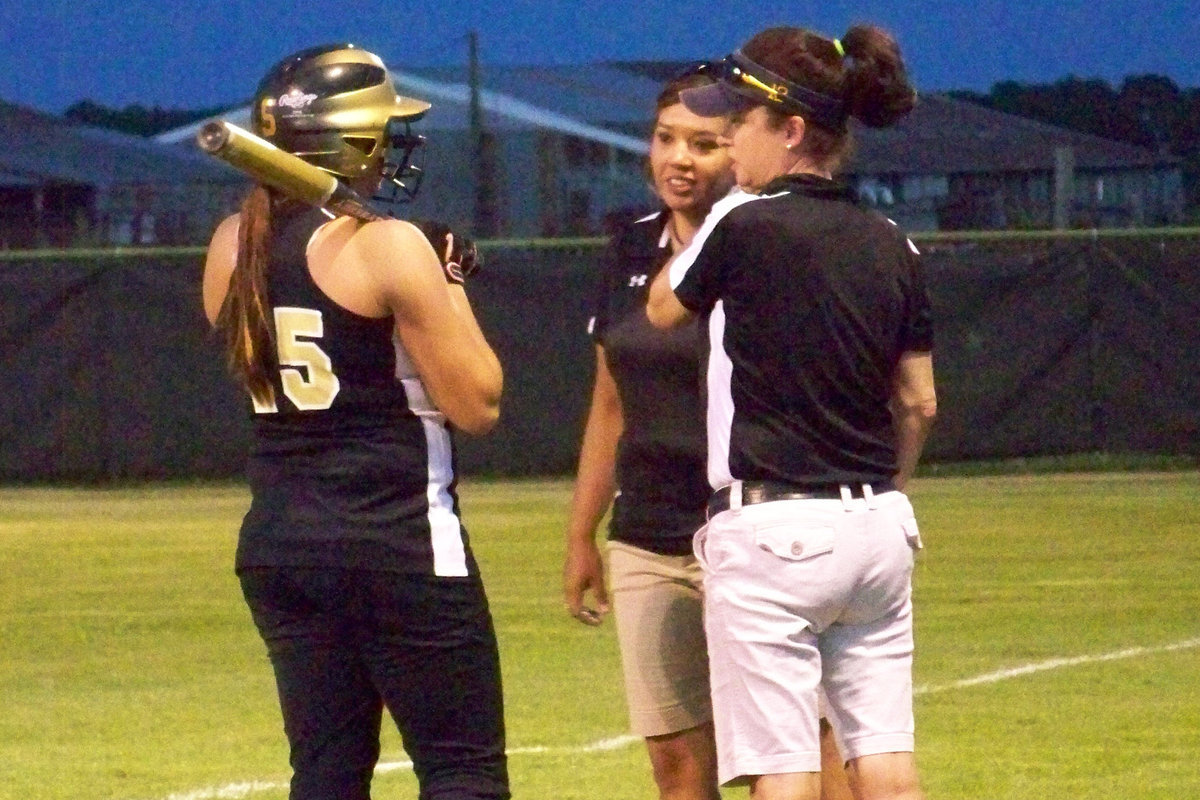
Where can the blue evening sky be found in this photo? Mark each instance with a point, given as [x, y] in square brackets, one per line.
[187, 54]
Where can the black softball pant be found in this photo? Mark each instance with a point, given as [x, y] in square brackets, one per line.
[346, 643]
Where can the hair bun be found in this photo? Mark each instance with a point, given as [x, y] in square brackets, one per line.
[877, 89]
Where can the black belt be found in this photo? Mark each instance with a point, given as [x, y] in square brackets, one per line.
[769, 491]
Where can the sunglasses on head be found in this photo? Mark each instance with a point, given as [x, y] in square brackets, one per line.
[758, 83]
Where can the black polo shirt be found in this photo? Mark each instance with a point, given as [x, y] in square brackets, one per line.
[660, 456]
[810, 300]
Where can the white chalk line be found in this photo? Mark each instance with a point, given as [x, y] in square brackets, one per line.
[1056, 663]
[239, 791]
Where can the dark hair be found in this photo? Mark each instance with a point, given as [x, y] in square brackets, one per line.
[243, 322]
[669, 96]
[864, 70]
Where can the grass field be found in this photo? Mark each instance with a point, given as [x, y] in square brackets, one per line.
[1058, 638]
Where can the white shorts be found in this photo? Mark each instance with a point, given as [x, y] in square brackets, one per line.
[801, 595]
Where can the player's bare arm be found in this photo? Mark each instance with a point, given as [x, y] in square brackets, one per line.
[435, 324]
[218, 266]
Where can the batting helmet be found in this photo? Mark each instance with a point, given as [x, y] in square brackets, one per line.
[335, 106]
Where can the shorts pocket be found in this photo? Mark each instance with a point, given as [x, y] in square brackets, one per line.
[793, 542]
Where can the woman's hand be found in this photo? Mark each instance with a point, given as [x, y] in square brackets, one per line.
[583, 572]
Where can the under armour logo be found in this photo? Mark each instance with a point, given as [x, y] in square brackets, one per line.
[638, 280]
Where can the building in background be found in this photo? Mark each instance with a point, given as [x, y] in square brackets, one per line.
[528, 152]
[67, 185]
[565, 148]
[954, 165]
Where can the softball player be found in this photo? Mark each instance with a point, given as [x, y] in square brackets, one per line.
[360, 352]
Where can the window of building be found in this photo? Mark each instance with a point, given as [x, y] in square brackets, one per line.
[579, 210]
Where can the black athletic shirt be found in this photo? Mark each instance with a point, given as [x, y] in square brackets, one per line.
[354, 466]
[660, 457]
[810, 300]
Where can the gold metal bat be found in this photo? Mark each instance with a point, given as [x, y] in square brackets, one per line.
[283, 171]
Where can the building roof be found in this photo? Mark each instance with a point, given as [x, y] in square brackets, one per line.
[944, 135]
[41, 148]
[598, 94]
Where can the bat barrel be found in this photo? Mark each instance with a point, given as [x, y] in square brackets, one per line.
[213, 137]
[266, 163]
[282, 170]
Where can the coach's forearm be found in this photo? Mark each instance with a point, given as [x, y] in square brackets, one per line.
[913, 406]
[912, 426]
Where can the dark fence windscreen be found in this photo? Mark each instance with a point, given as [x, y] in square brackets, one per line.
[1045, 346]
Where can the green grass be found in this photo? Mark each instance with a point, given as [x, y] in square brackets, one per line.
[1074, 462]
[129, 668]
[1024, 570]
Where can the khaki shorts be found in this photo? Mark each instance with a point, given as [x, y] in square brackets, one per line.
[660, 627]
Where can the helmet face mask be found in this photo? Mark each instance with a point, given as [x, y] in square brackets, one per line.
[402, 174]
[335, 107]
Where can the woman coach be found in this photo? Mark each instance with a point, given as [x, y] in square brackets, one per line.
[820, 395]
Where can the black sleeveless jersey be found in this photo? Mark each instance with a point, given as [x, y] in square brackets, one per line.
[352, 466]
[660, 457]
